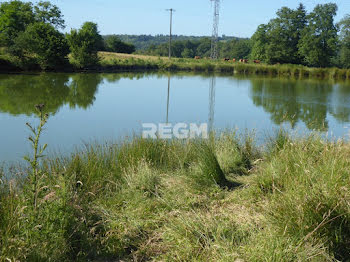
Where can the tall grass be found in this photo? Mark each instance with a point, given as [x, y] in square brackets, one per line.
[219, 200]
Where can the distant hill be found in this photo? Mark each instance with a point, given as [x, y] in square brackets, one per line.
[142, 42]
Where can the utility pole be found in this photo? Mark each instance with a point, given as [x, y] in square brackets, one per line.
[171, 10]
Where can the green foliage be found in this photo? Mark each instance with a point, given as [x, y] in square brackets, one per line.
[15, 16]
[56, 90]
[260, 40]
[49, 14]
[278, 40]
[143, 42]
[114, 44]
[27, 32]
[296, 37]
[344, 54]
[48, 46]
[284, 35]
[84, 44]
[236, 48]
[318, 43]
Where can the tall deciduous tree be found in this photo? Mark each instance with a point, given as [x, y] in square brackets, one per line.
[278, 40]
[318, 43]
[260, 42]
[15, 16]
[344, 54]
[43, 41]
[84, 44]
[47, 13]
[284, 35]
[235, 49]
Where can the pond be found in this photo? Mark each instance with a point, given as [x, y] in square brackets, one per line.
[87, 108]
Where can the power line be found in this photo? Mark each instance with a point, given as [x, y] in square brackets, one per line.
[215, 33]
[171, 10]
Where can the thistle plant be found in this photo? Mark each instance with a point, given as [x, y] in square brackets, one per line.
[38, 151]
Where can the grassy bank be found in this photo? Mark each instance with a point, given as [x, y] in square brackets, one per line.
[222, 200]
[114, 62]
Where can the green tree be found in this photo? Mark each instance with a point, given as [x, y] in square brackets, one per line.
[344, 54]
[318, 43]
[284, 35]
[114, 44]
[187, 53]
[47, 13]
[15, 16]
[84, 45]
[237, 48]
[260, 42]
[203, 48]
[48, 45]
[278, 40]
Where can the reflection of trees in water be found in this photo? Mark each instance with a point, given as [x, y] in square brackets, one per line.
[82, 89]
[307, 101]
[340, 102]
[20, 93]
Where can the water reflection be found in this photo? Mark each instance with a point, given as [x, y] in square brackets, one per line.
[285, 100]
[168, 100]
[20, 93]
[109, 106]
[211, 115]
[307, 101]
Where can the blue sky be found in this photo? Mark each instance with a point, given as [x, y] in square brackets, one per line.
[192, 17]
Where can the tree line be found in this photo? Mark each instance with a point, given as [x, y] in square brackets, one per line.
[30, 35]
[234, 48]
[298, 37]
[293, 37]
[143, 42]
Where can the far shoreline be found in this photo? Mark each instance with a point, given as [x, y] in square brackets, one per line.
[116, 63]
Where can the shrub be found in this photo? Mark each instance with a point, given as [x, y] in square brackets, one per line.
[48, 46]
[84, 44]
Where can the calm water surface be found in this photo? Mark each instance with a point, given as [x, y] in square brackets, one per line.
[101, 107]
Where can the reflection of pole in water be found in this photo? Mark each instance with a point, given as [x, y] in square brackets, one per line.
[167, 106]
[211, 103]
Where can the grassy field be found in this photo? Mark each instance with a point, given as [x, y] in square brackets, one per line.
[110, 55]
[115, 62]
[224, 199]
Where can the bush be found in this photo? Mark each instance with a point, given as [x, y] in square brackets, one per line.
[84, 44]
[43, 42]
[114, 44]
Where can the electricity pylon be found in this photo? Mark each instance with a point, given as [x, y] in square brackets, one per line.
[215, 33]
